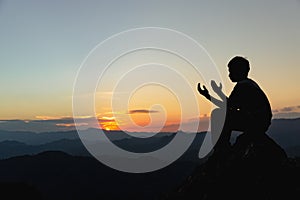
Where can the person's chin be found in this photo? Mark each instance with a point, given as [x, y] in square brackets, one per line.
[233, 80]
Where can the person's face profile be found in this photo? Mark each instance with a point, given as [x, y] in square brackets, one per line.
[234, 75]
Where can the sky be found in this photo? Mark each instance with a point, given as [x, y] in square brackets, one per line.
[44, 43]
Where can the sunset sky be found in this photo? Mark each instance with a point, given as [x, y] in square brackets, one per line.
[43, 44]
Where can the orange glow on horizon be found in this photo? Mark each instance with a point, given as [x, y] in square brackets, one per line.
[108, 124]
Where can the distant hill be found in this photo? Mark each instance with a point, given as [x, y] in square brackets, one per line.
[75, 147]
[293, 151]
[286, 132]
[12, 148]
[32, 138]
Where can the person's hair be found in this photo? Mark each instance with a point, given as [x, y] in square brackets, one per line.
[240, 63]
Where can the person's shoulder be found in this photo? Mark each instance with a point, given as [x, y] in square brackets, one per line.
[247, 83]
[246, 86]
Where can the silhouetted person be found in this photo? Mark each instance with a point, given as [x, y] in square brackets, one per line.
[248, 109]
[255, 166]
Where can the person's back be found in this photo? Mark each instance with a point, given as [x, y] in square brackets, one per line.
[248, 101]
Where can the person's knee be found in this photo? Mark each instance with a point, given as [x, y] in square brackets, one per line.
[218, 115]
[218, 122]
[216, 112]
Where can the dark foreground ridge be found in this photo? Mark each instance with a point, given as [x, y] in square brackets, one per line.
[55, 175]
[260, 171]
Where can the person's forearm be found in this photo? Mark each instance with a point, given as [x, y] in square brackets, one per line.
[217, 102]
[222, 96]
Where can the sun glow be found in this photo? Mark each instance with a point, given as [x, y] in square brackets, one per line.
[108, 123]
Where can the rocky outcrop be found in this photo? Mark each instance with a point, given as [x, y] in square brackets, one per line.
[253, 169]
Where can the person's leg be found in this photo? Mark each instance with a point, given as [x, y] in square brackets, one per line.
[251, 136]
[234, 121]
[220, 130]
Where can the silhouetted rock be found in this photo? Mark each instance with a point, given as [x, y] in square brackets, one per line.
[260, 171]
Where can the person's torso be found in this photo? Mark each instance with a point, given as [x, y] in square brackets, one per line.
[247, 97]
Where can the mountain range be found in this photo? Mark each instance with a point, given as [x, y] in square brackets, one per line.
[286, 132]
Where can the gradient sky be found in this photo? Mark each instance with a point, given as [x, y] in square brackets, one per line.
[43, 44]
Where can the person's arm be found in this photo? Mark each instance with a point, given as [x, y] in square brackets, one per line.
[217, 102]
[218, 90]
[204, 92]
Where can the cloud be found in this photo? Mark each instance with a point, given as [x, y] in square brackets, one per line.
[287, 115]
[287, 112]
[199, 118]
[141, 111]
[31, 125]
[71, 124]
[43, 117]
[58, 119]
[287, 109]
[102, 120]
[290, 108]
[47, 123]
[61, 119]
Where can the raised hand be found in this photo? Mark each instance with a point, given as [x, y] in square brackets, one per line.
[203, 91]
[217, 89]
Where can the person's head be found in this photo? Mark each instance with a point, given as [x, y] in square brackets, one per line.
[239, 68]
